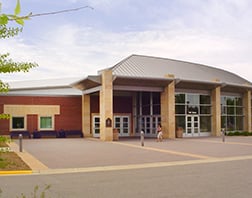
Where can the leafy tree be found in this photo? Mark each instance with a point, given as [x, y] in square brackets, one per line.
[7, 65]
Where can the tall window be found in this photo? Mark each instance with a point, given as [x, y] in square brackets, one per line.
[149, 103]
[193, 104]
[148, 111]
[46, 123]
[18, 123]
[231, 113]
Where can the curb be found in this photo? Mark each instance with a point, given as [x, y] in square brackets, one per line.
[16, 172]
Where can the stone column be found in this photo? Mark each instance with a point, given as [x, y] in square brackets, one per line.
[86, 116]
[168, 111]
[247, 111]
[216, 111]
[106, 106]
[134, 110]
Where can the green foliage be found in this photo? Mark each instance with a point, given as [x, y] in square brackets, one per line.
[4, 139]
[239, 133]
[4, 116]
[35, 193]
[7, 32]
[18, 8]
[5, 18]
[7, 65]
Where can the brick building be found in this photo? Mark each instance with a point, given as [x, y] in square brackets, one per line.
[136, 94]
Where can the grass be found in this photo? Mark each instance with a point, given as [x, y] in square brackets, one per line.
[10, 161]
[36, 193]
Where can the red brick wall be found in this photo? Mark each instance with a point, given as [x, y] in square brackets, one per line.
[70, 111]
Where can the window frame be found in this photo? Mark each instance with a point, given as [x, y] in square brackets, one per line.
[46, 129]
[19, 129]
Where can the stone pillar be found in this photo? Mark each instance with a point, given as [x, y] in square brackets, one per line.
[168, 110]
[106, 106]
[247, 111]
[134, 110]
[216, 111]
[86, 116]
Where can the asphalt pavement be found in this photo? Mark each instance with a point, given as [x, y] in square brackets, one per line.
[187, 167]
[51, 154]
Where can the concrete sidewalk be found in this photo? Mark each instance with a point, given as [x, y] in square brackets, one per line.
[73, 155]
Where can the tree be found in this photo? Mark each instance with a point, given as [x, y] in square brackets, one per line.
[7, 65]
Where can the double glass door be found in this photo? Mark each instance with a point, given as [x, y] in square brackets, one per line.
[149, 125]
[192, 125]
[121, 123]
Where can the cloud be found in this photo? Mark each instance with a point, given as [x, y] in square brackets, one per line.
[218, 34]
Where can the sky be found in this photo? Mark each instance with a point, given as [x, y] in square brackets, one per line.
[217, 33]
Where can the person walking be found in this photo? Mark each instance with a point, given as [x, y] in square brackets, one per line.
[159, 133]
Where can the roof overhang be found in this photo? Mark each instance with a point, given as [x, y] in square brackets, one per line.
[92, 84]
[141, 81]
[238, 88]
[87, 83]
[206, 85]
[200, 85]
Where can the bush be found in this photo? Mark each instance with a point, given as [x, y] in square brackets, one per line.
[4, 140]
[239, 133]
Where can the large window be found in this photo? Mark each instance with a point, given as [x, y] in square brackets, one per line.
[232, 113]
[18, 123]
[193, 104]
[46, 123]
[149, 103]
[148, 111]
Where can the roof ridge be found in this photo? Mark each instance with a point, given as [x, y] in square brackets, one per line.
[119, 63]
[188, 62]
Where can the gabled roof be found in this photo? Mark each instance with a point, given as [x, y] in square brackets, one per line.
[139, 66]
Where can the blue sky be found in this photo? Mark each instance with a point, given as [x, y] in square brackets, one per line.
[77, 44]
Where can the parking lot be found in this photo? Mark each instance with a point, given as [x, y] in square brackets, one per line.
[89, 152]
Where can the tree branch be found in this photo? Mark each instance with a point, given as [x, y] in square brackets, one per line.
[50, 13]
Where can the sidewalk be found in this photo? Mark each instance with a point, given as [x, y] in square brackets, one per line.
[73, 155]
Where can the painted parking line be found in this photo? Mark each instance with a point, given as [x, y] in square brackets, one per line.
[141, 166]
[164, 151]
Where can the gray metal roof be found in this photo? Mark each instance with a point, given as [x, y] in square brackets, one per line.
[43, 87]
[138, 66]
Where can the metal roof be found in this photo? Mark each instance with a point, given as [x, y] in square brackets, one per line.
[139, 66]
[43, 87]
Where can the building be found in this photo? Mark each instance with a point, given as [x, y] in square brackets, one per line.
[136, 94]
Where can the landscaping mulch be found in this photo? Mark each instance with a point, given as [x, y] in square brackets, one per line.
[11, 161]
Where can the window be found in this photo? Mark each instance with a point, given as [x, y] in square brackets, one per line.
[231, 113]
[149, 103]
[46, 123]
[193, 103]
[18, 123]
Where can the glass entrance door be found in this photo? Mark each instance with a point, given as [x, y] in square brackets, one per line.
[192, 125]
[121, 123]
[96, 126]
[149, 125]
